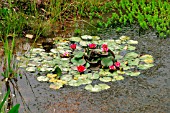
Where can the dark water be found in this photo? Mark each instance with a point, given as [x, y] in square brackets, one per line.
[147, 93]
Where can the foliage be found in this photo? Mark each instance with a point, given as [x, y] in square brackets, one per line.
[14, 109]
[89, 58]
[9, 67]
[39, 17]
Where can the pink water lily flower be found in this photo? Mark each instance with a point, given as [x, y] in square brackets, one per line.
[105, 48]
[66, 54]
[92, 46]
[81, 68]
[112, 67]
[73, 46]
[117, 64]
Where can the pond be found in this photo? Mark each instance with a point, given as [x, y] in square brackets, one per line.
[145, 93]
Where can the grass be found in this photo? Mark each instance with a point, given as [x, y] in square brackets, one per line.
[39, 18]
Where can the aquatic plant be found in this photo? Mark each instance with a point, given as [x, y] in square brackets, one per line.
[92, 59]
[14, 109]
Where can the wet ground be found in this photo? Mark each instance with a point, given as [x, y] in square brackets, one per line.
[147, 93]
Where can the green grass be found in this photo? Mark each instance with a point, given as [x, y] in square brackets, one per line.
[26, 16]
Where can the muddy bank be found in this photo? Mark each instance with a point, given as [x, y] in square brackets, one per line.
[147, 93]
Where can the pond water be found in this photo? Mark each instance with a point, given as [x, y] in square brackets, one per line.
[147, 93]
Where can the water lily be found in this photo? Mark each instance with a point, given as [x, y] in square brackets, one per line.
[73, 46]
[81, 68]
[112, 67]
[92, 46]
[66, 54]
[117, 64]
[105, 48]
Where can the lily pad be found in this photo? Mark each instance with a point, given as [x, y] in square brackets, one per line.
[119, 77]
[147, 59]
[104, 86]
[66, 77]
[131, 47]
[74, 83]
[131, 55]
[54, 50]
[75, 39]
[132, 42]
[86, 37]
[84, 43]
[105, 79]
[37, 50]
[90, 88]
[118, 41]
[86, 81]
[94, 76]
[107, 62]
[78, 54]
[43, 78]
[133, 73]
[51, 75]
[134, 62]
[56, 86]
[78, 61]
[145, 66]
[124, 38]
[95, 38]
[31, 69]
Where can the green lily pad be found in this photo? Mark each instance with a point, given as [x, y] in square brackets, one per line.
[94, 76]
[31, 69]
[135, 62]
[105, 79]
[147, 59]
[145, 66]
[104, 86]
[56, 85]
[133, 73]
[119, 77]
[57, 71]
[75, 39]
[131, 55]
[86, 37]
[78, 61]
[37, 50]
[131, 48]
[86, 81]
[66, 77]
[43, 78]
[95, 38]
[107, 62]
[90, 88]
[54, 50]
[78, 54]
[118, 41]
[124, 38]
[74, 83]
[84, 43]
[104, 72]
[132, 42]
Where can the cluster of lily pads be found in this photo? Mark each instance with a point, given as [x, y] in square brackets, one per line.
[84, 60]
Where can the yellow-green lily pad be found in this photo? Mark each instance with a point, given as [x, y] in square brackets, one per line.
[145, 66]
[105, 79]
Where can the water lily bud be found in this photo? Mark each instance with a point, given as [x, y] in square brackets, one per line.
[117, 64]
[81, 68]
[104, 48]
[92, 46]
[73, 46]
[112, 67]
[66, 54]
